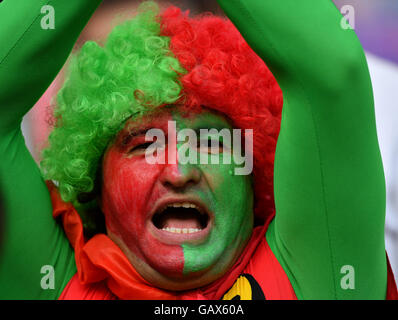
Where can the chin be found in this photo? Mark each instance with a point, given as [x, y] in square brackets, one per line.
[182, 282]
[167, 278]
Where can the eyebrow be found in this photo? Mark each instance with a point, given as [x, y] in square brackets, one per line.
[215, 125]
[131, 134]
[136, 132]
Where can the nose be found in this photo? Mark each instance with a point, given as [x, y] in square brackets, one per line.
[177, 176]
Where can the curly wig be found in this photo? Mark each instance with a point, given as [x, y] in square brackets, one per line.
[155, 60]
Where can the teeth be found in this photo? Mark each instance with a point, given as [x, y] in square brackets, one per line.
[184, 205]
[183, 230]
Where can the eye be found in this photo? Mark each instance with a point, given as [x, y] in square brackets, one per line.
[205, 146]
[139, 148]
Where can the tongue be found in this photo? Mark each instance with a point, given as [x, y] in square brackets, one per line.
[177, 220]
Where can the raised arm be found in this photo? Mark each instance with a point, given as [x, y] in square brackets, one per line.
[30, 58]
[329, 181]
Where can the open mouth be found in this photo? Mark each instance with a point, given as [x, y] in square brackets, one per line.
[182, 217]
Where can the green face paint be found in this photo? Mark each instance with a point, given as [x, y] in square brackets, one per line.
[228, 196]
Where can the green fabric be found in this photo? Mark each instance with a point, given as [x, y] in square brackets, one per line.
[30, 58]
[329, 181]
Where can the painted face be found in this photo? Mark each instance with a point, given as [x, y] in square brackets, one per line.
[182, 225]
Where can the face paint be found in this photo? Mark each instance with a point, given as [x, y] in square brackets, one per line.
[133, 190]
[229, 197]
[130, 188]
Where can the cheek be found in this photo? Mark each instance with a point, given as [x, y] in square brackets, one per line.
[218, 178]
[233, 195]
[127, 186]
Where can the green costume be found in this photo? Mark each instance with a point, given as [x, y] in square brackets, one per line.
[329, 182]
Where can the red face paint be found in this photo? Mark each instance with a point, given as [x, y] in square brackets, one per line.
[131, 188]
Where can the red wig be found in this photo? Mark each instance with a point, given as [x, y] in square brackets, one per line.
[226, 75]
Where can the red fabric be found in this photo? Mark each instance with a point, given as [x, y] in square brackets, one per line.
[392, 293]
[75, 290]
[269, 274]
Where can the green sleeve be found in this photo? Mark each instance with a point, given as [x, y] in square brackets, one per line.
[30, 58]
[329, 180]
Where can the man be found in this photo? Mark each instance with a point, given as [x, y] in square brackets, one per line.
[198, 74]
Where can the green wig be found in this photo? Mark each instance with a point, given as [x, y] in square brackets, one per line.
[133, 72]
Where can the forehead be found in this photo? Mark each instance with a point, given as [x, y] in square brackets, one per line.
[184, 118]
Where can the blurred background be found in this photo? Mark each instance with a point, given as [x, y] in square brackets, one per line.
[376, 24]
